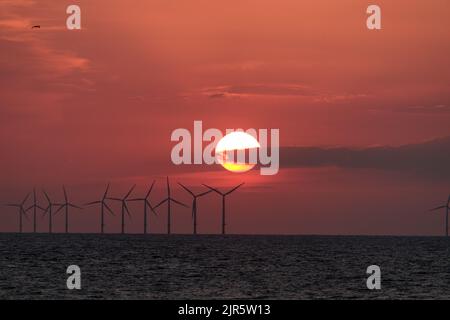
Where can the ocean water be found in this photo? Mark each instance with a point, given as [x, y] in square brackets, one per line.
[33, 266]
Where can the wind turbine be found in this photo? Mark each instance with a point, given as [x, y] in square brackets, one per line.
[21, 210]
[103, 206]
[66, 206]
[147, 204]
[447, 207]
[48, 210]
[223, 194]
[169, 200]
[124, 206]
[35, 206]
[194, 204]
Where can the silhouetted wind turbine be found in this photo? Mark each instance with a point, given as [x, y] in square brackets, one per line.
[169, 199]
[147, 204]
[102, 210]
[35, 206]
[21, 211]
[124, 207]
[48, 210]
[194, 204]
[447, 207]
[223, 194]
[66, 206]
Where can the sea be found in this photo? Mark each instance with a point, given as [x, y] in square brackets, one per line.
[34, 266]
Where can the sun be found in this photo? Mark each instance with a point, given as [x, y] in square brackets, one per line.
[234, 145]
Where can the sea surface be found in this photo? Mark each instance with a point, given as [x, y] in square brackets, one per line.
[33, 266]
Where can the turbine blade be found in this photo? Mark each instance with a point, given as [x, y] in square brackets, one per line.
[59, 209]
[437, 208]
[168, 187]
[91, 203]
[46, 195]
[204, 193]
[115, 199]
[135, 199]
[178, 202]
[108, 208]
[25, 199]
[106, 191]
[46, 210]
[127, 211]
[185, 188]
[74, 206]
[65, 193]
[234, 189]
[150, 190]
[147, 203]
[213, 189]
[163, 201]
[129, 192]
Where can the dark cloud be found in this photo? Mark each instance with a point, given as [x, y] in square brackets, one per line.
[431, 158]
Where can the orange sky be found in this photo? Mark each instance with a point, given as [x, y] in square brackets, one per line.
[96, 105]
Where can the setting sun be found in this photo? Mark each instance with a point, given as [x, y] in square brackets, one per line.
[236, 143]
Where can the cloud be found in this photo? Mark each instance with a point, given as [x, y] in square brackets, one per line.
[431, 158]
[248, 90]
[430, 109]
[38, 72]
[33, 50]
[280, 90]
[16, 23]
[16, 3]
[332, 98]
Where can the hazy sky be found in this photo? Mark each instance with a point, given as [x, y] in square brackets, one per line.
[99, 104]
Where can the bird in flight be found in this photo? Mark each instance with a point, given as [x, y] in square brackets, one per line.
[36, 27]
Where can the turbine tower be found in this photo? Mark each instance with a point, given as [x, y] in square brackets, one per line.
[124, 207]
[48, 210]
[35, 206]
[169, 200]
[21, 211]
[66, 206]
[194, 204]
[447, 208]
[223, 194]
[147, 204]
[103, 206]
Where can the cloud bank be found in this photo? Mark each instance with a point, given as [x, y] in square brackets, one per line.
[431, 158]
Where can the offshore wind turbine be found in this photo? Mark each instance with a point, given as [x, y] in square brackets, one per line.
[66, 206]
[223, 194]
[124, 207]
[103, 206]
[169, 200]
[447, 208]
[48, 210]
[35, 206]
[147, 204]
[21, 211]
[194, 204]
